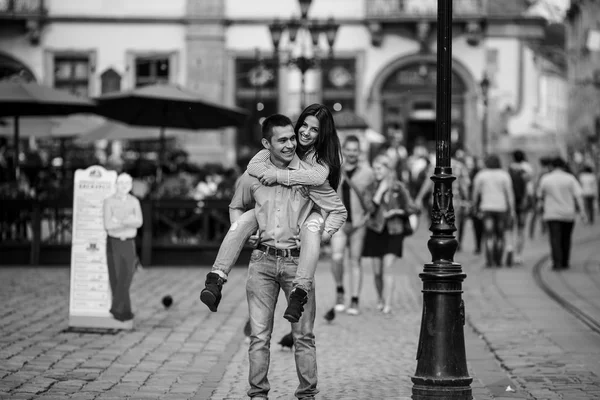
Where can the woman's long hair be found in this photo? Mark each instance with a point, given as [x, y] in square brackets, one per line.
[328, 149]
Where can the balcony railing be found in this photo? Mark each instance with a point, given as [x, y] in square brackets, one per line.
[392, 9]
[22, 8]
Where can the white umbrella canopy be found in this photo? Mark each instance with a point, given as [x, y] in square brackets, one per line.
[114, 130]
[26, 99]
[36, 127]
[51, 127]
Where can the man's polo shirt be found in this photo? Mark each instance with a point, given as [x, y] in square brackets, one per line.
[281, 210]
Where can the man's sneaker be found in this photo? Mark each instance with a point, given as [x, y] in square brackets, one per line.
[298, 299]
[339, 304]
[211, 294]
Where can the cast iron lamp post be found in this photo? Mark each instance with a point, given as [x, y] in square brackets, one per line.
[441, 359]
[485, 87]
[303, 26]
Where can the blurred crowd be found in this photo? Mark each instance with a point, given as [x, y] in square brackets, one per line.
[43, 177]
[502, 196]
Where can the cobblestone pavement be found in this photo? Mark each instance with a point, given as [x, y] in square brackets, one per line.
[515, 337]
[547, 351]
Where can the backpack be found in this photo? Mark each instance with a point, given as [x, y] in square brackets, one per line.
[520, 181]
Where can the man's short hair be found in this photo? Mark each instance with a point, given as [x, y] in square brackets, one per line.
[545, 161]
[492, 161]
[271, 122]
[519, 156]
[559, 162]
[351, 139]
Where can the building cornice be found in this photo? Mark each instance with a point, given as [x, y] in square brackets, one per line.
[494, 20]
[103, 19]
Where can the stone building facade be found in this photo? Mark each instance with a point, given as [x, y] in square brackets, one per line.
[583, 58]
[382, 68]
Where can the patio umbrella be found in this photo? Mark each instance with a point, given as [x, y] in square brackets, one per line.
[18, 99]
[36, 127]
[114, 130]
[50, 127]
[168, 106]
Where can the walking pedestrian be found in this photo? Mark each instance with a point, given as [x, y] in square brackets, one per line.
[560, 199]
[386, 228]
[122, 218]
[476, 220]
[273, 265]
[545, 167]
[356, 178]
[521, 174]
[317, 143]
[495, 202]
[589, 186]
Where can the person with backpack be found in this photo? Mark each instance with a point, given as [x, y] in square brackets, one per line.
[521, 175]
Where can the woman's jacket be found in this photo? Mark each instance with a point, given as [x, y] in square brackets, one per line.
[396, 197]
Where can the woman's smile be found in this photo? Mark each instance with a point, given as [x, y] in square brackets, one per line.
[309, 131]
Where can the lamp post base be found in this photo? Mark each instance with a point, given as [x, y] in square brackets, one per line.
[441, 389]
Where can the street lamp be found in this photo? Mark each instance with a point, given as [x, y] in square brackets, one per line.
[485, 87]
[304, 28]
[441, 359]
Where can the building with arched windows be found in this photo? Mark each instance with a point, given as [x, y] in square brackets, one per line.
[383, 64]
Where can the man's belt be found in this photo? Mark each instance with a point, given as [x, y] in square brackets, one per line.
[270, 250]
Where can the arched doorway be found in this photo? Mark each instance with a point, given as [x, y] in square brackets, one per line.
[403, 97]
[409, 102]
[12, 69]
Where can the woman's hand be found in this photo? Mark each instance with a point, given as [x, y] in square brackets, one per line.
[302, 190]
[381, 189]
[269, 177]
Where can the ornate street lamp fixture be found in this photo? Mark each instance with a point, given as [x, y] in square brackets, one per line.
[441, 359]
[485, 87]
[297, 30]
[304, 6]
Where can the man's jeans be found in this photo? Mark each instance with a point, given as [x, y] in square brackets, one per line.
[560, 242]
[266, 275]
[246, 225]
